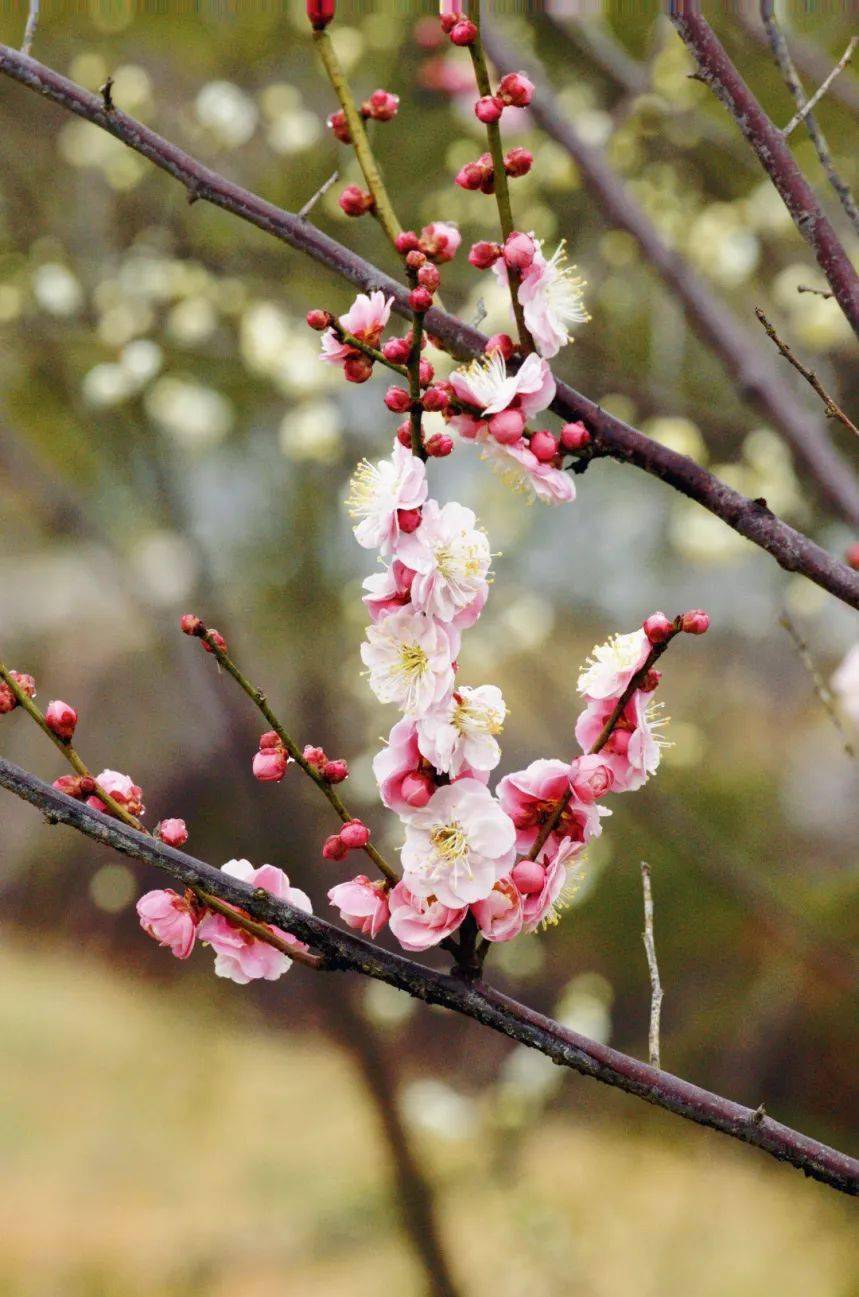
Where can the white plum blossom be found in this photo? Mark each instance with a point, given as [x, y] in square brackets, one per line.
[612, 665]
[461, 732]
[379, 492]
[551, 297]
[458, 845]
[410, 660]
[450, 555]
[521, 470]
[487, 385]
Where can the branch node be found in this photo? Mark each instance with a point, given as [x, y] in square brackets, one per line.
[106, 92]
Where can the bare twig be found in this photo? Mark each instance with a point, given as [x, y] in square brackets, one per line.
[344, 951]
[818, 292]
[653, 967]
[304, 212]
[782, 55]
[610, 436]
[717, 71]
[821, 91]
[30, 29]
[812, 61]
[833, 410]
[742, 354]
[818, 683]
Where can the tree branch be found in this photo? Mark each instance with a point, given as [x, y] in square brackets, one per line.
[610, 436]
[652, 966]
[833, 411]
[344, 951]
[741, 354]
[810, 59]
[717, 71]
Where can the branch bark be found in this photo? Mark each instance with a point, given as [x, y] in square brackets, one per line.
[610, 436]
[736, 346]
[344, 951]
[717, 71]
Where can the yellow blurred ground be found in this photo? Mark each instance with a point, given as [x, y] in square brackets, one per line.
[145, 1153]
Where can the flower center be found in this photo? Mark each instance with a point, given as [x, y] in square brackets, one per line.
[363, 490]
[412, 662]
[450, 848]
[469, 716]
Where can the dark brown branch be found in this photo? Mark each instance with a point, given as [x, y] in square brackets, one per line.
[833, 410]
[736, 346]
[344, 951]
[611, 437]
[717, 71]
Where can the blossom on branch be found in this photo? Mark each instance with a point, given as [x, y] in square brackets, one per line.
[458, 845]
[239, 955]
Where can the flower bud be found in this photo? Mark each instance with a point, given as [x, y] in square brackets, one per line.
[334, 848]
[404, 434]
[439, 445]
[448, 22]
[516, 89]
[420, 299]
[191, 625]
[319, 320]
[429, 277]
[695, 622]
[519, 250]
[528, 877]
[61, 720]
[173, 832]
[500, 342]
[409, 520]
[269, 766]
[320, 13]
[650, 681]
[381, 106]
[397, 350]
[339, 126]
[518, 162]
[658, 628]
[507, 426]
[270, 739]
[334, 772]
[484, 254]
[544, 445]
[314, 756]
[357, 369]
[406, 241]
[417, 788]
[8, 701]
[470, 176]
[215, 641]
[575, 436]
[488, 109]
[426, 373]
[851, 556]
[355, 834]
[415, 259]
[78, 786]
[463, 32]
[397, 399]
[435, 399]
[355, 201]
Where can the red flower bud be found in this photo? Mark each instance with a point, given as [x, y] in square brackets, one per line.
[191, 625]
[319, 320]
[658, 628]
[851, 556]
[420, 299]
[397, 399]
[516, 89]
[61, 720]
[544, 445]
[484, 254]
[695, 622]
[519, 250]
[417, 788]
[518, 162]
[415, 259]
[574, 436]
[406, 241]
[463, 32]
[355, 834]
[404, 434]
[409, 520]
[500, 342]
[334, 848]
[173, 832]
[269, 740]
[650, 681]
[470, 176]
[381, 105]
[439, 445]
[357, 369]
[320, 13]
[507, 426]
[488, 109]
[314, 756]
[429, 277]
[449, 21]
[355, 201]
[340, 127]
[426, 373]
[217, 640]
[435, 399]
[334, 772]
[270, 765]
[78, 786]
[8, 701]
[397, 350]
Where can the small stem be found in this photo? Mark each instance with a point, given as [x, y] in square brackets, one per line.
[833, 411]
[818, 94]
[383, 209]
[653, 968]
[413, 370]
[502, 189]
[821, 690]
[373, 352]
[656, 651]
[259, 700]
[30, 29]
[259, 930]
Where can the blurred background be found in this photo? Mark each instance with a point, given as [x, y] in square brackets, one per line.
[169, 442]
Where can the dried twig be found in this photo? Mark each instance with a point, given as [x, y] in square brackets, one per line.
[818, 292]
[30, 29]
[819, 93]
[304, 212]
[819, 685]
[833, 410]
[653, 967]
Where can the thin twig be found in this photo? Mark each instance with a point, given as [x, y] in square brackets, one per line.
[610, 436]
[818, 292]
[784, 60]
[344, 950]
[30, 29]
[653, 967]
[818, 684]
[810, 59]
[833, 410]
[819, 93]
[304, 212]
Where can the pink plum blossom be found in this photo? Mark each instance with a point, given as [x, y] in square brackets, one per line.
[170, 919]
[458, 845]
[239, 955]
[521, 470]
[551, 297]
[406, 779]
[460, 733]
[633, 750]
[560, 866]
[365, 319]
[440, 241]
[410, 660]
[450, 556]
[122, 789]
[388, 590]
[363, 904]
[379, 492]
[501, 915]
[612, 665]
[530, 797]
[420, 922]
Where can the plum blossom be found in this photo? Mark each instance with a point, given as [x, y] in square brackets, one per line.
[239, 955]
[388, 590]
[458, 845]
[551, 297]
[501, 915]
[487, 386]
[379, 492]
[419, 922]
[410, 660]
[365, 319]
[406, 779]
[363, 904]
[633, 750]
[461, 732]
[122, 789]
[612, 665]
[845, 683]
[450, 556]
[543, 898]
[440, 241]
[530, 798]
[519, 468]
[171, 919]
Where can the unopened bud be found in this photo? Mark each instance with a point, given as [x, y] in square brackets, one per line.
[334, 848]
[397, 350]
[355, 834]
[429, 277]
[417, 788]
[409, 520]
[851, 556]
[518, 162]
[319, 319]
[426, 373]
[658, 628]
[320, 13]
[435, 399]
[397, 399]
[269, 766]
[340, 127]
[191, 625]
[314, 756]
[420, 299]
[528, 877]
[463, 32]
[507, 426]
[271, 739]
[415, 259]
[488, 109]
[61, 720]
[406, 241]
[26, 683]
[575, 436]
[439, 445]
[173, 832]
[516, 89]
[484, 254]
[695, 622]
[214, 640]
[357, 369]
[544, 445]
[355, 201]
[335, 771]
[519, 250]
[500, 342]
[381, 106]
[650, 681]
